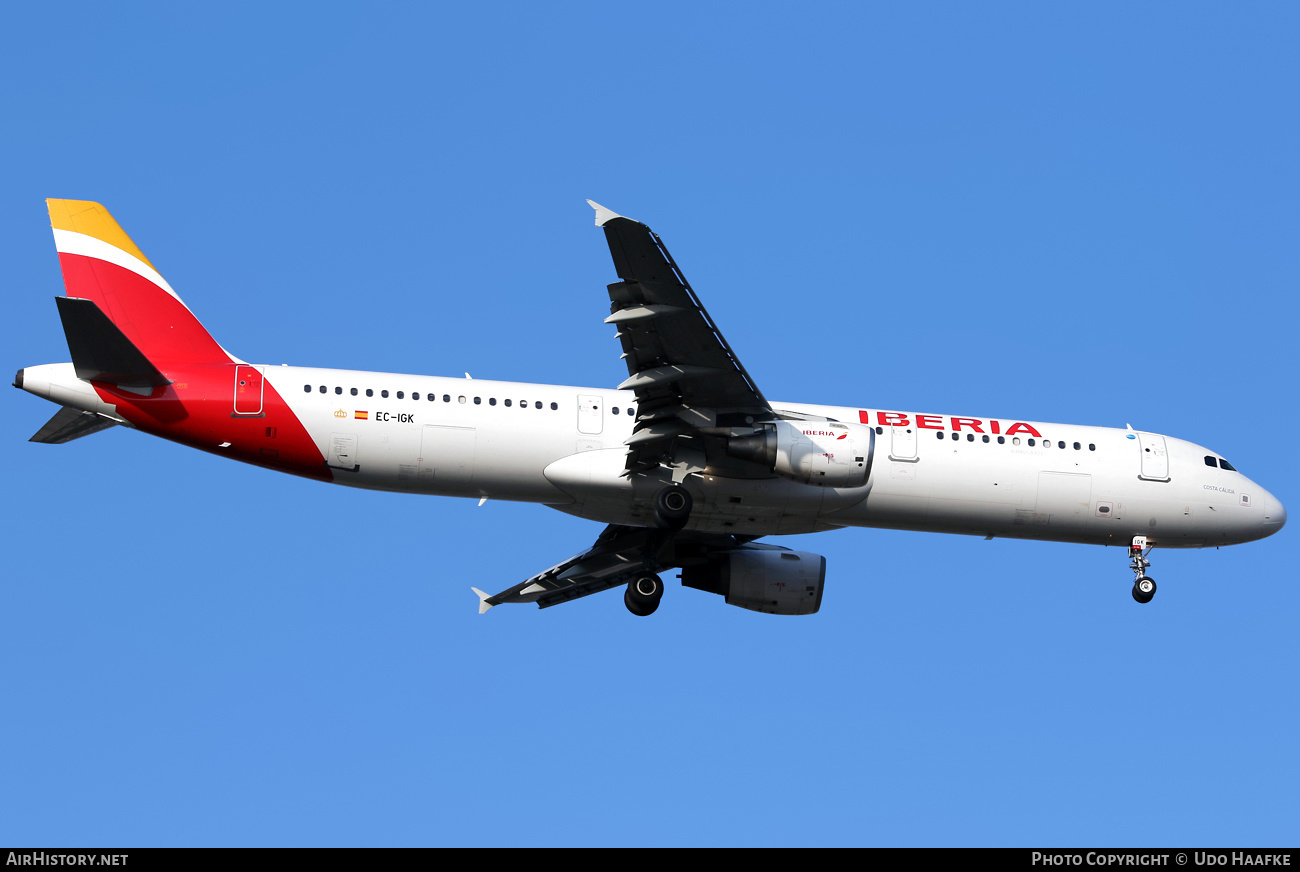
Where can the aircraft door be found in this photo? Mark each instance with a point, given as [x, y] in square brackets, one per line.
[591, 414]
[248, 390]
[902, 444]
[1155, 459]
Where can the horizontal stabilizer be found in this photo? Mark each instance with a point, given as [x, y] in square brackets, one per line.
[68, 424]
[100, 351]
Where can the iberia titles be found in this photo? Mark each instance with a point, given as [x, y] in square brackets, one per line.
[941, 422]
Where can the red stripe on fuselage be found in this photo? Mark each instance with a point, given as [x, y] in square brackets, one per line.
[198, 411]
[159, 324]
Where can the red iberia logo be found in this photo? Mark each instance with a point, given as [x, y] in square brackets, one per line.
[362, 416]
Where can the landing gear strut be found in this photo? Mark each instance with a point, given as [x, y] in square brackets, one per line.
[672, 507]
[643, 594]
[1144, 588]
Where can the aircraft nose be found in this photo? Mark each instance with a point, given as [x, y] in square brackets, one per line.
[1274, 514]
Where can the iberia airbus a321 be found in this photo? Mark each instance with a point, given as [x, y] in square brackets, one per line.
[686, 460]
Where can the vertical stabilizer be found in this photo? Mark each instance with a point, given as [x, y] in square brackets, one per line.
[102, 264]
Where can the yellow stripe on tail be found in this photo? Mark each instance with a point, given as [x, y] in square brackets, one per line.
[92, 219]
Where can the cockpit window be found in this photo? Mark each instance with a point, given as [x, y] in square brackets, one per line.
[1226, 465]
[1210, 460]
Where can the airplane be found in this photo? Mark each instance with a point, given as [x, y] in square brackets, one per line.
[686, 461]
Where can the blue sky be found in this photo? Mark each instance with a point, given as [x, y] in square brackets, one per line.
[1058, 212]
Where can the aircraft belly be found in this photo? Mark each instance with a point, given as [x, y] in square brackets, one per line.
[755, 507]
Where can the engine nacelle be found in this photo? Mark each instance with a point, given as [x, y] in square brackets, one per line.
[825, 453]
[763, 578]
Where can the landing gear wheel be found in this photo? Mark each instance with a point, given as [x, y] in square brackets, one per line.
[672, 507]
[1144, 589]
[643, 594]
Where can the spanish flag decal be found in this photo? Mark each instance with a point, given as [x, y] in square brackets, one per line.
[362, 416]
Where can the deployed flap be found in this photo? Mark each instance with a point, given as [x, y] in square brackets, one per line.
[662, 325]
[618, 554]
[100, 351]
[678, 363]
[68, 424]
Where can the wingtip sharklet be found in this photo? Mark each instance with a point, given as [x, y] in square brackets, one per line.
[602, 214]
[483, 604]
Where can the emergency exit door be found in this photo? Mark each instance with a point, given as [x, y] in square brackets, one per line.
[1155, 458]
[591, 414]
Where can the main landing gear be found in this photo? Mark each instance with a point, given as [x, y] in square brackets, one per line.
[643, 594]
[672, 507]
[1144, 588]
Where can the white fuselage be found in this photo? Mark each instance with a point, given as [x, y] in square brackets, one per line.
[563, 446]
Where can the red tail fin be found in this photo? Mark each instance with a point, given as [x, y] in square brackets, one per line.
[101, 263]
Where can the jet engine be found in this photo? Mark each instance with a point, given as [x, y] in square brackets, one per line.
[825, 453]
[762, 578]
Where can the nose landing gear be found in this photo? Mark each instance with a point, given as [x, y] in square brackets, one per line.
[1144, 588]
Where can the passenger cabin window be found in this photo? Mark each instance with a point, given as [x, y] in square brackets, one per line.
[338, 390]
[307, 388]
[354, 392]
[554, 406]
[401, 396]
[322, 389]
[384, 394]
[370, 392]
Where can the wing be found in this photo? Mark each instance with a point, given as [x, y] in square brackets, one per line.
[689, 384]
[618, 555]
